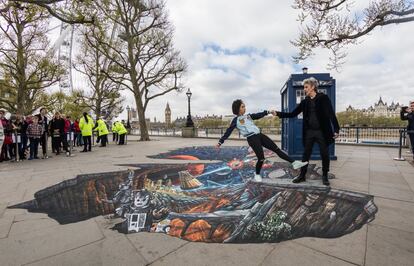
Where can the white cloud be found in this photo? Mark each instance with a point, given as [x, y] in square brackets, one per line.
[241, 49]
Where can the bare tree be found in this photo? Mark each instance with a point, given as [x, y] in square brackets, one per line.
[143, 56]
[104, 97]
[69, 11]
[332, 24]
[24, 62]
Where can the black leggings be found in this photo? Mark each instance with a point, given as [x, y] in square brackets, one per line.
[87, 143]
[257, 142]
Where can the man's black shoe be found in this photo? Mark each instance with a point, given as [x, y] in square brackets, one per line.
[299, 179]
[325, 180]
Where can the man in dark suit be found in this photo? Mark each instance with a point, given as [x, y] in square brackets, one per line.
[407, 113]
[320, 125]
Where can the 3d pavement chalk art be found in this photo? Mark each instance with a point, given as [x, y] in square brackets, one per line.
[209, 201]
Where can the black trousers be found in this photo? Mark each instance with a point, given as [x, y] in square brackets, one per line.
[104, 140]
[43, 142]
[121, 139]
[87, 143]
[56, 144]
[34, 144]
[312, 137]
[257, 142]
[412, 142]
[64, 139]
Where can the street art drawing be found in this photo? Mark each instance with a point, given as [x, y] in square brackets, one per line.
[209, 201]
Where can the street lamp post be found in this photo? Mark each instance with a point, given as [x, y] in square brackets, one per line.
[128, 109]
[189, 122]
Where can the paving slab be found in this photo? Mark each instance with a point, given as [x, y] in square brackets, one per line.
[155, 246]
[113, 251]
[395, 214]
[386, 191]
[36, 245]
[387, 246]
[349, 248]
[5, 226]
[217, 254]
[295, 254]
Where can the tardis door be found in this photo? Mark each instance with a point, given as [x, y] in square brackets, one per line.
[285, 122]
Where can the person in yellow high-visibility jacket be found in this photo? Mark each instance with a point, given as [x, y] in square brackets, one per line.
[86, 127]
[114, 133]
[103, 132]
[121, 130]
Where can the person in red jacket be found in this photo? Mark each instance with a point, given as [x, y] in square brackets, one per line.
[77, 140]
[7, 136]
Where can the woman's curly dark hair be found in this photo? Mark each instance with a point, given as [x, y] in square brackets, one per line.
[236, 106]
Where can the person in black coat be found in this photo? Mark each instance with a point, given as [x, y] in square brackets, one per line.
[43, 121]
[320, 125]
[57, 130]
[407, 113]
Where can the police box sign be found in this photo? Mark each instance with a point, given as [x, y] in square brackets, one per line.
[321, 83]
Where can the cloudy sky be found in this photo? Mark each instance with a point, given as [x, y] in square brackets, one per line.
[241, 49]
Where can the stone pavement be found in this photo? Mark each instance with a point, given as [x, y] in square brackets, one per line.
[35, 239]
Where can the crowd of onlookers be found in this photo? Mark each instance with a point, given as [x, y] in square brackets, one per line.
[21, 136]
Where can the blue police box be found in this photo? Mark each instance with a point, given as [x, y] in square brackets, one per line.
[292, 94]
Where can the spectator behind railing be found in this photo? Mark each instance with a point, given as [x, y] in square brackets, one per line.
[34, 132]
[407, 113]
[43, 121]
[8, 140]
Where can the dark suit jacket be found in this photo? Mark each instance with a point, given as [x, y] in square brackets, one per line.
[409, 117]
[324, 112]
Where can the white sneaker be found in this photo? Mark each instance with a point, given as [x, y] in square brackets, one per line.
[257, 178]
[298, 164]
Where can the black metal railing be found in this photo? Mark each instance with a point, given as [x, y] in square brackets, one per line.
[348, 135]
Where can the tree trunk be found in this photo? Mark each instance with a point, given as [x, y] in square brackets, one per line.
[141, 117]
[21, 72]
[138, 100]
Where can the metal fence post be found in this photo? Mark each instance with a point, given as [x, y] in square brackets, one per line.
[400, 158]
[16, 146]
[357, 135]
[46, 140]
[71, 138]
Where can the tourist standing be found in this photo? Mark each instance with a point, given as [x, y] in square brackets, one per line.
[34, 132]
[78, 135]
[7, 139]
[57, 131]
[43, 121]
[26, 122]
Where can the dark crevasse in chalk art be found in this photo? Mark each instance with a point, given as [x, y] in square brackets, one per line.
[209, 202]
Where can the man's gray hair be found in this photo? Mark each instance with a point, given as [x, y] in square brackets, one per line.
[311, 81]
